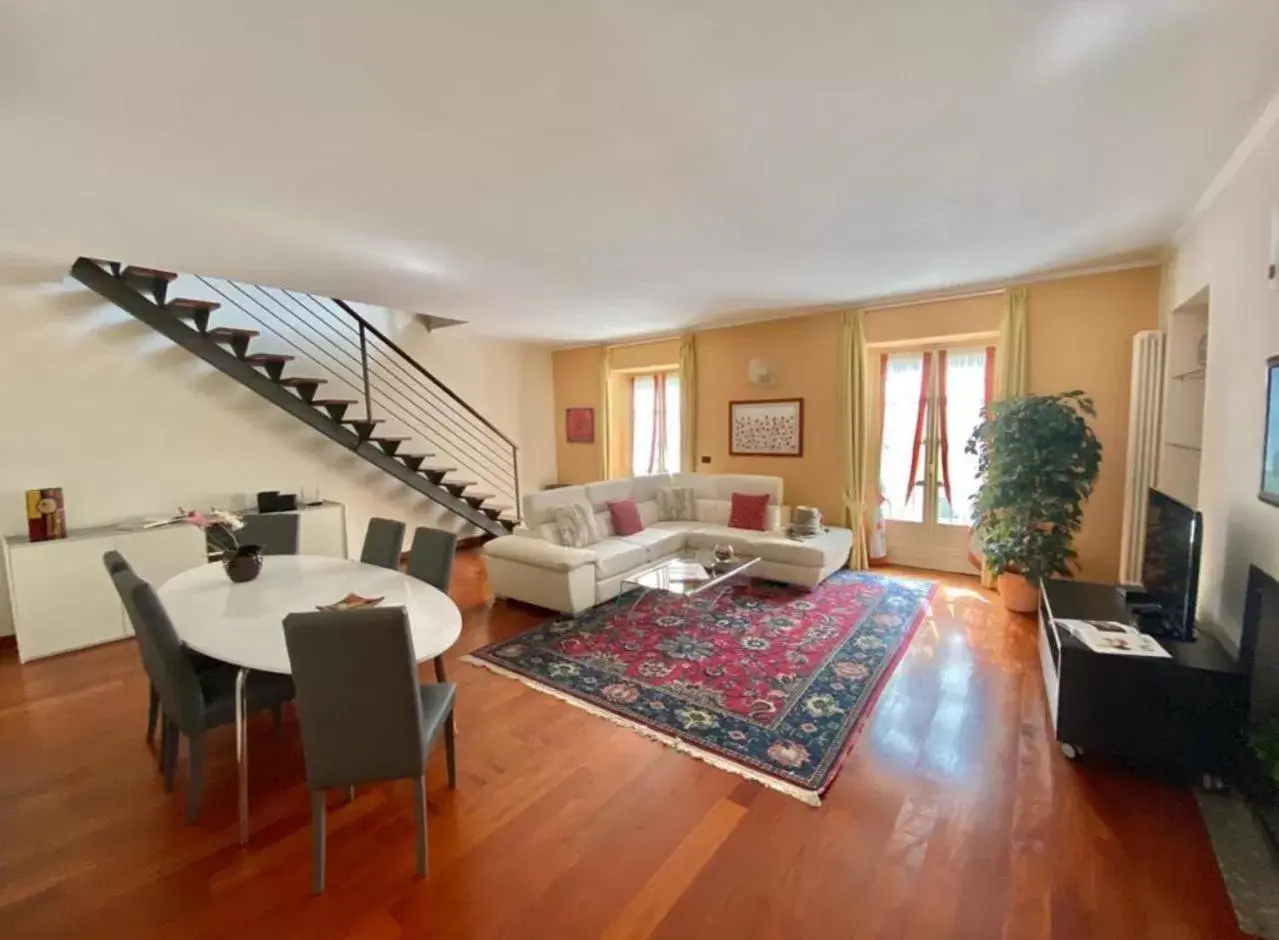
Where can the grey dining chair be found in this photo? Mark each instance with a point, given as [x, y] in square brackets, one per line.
[193, 702]
[364, 715]
[276, 533]
[431, 560]
[114, 562]
[383, 542]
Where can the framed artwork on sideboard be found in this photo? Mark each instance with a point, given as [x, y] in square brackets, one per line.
[771, 427]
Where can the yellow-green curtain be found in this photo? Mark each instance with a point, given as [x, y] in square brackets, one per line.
[856, 432]
[606, 415]
[1010, 364]
[688, 403]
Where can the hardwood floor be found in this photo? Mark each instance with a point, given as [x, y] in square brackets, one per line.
[954, 817]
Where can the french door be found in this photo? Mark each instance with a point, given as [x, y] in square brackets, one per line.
[931, 399]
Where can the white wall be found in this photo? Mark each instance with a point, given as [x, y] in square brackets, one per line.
[1226, 249]
[129, 424]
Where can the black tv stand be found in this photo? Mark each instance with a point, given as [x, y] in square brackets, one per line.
[1185, 713]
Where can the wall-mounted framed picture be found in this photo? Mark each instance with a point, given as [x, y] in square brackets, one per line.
[766, 428]
[579, 425]
[1270, 448]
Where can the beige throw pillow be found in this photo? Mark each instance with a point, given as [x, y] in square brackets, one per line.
[676, 504]
[575, 524]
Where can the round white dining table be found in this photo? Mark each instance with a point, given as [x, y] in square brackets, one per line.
[243, 624]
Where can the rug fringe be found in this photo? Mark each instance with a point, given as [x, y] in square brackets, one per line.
[721, 763]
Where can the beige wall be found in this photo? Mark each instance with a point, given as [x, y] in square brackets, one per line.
[1079, 337]
[577, 383]
[1226, 251]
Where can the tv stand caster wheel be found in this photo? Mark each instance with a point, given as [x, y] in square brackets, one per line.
[1070, 752]
[1212, 783]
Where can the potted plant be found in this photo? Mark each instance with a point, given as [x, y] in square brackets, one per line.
[1037, 461]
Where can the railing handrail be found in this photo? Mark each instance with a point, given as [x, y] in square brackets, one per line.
[421, 368]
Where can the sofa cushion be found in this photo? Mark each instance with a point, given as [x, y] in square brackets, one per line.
[658, 542]
[615, 556]
[538, 553]
[679, 525]
[576, 525]
[599, 494]
[708, 536]
[828, 550]
[648, 511]
[625, 516]
[748, 510]
[676, 502]
[538, 506]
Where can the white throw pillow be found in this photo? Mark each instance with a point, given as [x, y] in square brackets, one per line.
[677, 504]
[575, 524]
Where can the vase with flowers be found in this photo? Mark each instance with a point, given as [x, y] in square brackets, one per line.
[241, 562]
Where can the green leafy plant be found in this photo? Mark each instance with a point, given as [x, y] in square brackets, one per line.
[1037, 460]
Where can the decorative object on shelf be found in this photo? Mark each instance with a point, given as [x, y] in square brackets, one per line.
[241, 562]
[351, 602]
[1270, 447]
[766, 428]
[1037, 459]
[579, 425]
[46, 514]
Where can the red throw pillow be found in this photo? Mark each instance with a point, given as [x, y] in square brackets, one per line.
[748, 511]
[625, 516]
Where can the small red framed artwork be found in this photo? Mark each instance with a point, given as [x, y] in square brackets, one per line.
[766, 428]
[579, 425]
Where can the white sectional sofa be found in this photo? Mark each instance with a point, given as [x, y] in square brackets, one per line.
[532, 566]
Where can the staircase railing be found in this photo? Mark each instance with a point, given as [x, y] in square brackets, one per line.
[390, 385]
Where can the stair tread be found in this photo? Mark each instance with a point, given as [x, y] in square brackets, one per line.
[361, 420]
[230, 332]
[481, 495]
[437, 469]
[151, 274]
[413, 455]
[389, 437]
[294, 380]
[190, 303]
[333, 401]
[462, 483]
[268, 357]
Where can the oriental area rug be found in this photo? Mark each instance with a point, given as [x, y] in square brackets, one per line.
[768, 681]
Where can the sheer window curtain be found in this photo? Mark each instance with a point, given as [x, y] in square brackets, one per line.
[655, 423]
[1010, 364]
[899, 469]
[962, 395]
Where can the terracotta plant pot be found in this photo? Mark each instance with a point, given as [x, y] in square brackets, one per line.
[1018, 594]
[245, 564]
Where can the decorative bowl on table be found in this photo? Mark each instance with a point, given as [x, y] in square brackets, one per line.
[244, 564]
[723, 554]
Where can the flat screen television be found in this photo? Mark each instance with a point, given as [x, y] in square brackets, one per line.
[1170, 564]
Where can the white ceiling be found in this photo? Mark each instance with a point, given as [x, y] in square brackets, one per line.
[583, 169]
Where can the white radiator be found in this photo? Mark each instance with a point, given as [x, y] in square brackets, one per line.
[1145, 414]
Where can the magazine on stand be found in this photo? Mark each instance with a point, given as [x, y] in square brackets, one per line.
[1114, 638]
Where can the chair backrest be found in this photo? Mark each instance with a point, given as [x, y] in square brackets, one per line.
[276, 533]
[115, 562]
[163, 657]
[358, 698]
[431, 557]
[383, 542]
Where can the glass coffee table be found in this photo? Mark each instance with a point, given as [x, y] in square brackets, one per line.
[677, 578]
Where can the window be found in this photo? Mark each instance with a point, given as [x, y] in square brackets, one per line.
[932, 400]
[655, 433]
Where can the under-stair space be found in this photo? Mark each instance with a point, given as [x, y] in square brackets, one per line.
[327, 364]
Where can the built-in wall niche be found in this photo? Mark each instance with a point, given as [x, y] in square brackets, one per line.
[1186, 371]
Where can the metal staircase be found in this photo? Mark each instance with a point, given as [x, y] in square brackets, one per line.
[329, 367]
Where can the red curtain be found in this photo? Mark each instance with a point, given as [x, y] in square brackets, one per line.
[943, 434]
[919, 424]
[990, 374]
